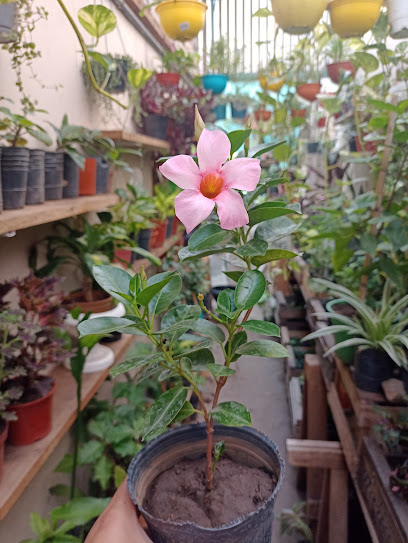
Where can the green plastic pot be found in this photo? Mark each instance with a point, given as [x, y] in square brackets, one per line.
[346, 354]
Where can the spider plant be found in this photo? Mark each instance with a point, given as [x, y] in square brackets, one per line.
[382, 329]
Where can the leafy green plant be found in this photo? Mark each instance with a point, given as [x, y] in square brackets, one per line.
[223, 61]
[15, 127]
[164, 195]
[135, 210]
[110, 72]
[293, 522]
[384, 329]
[180, 61]
[392, 430]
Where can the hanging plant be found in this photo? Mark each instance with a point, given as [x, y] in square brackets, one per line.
[110, 72]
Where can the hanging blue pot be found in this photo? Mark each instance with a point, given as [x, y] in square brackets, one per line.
[238, 113]
[214, 82]
[220, 112]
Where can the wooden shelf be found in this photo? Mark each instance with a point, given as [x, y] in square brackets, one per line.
[133, 139]
[18, 219]
[22, 463]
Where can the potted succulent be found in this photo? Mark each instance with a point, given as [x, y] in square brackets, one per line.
[226, 423]
[339, 68]
[221, 64]
[175, 64]
[32, 338]
[110, 72]
[182, 20]
[380, 335]
[296, 16]
[15, 159]
[353, 18]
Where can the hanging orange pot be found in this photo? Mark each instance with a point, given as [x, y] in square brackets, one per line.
[271, 82]
[299, 113]
[353, 18]
[182, 20]
[309, 91]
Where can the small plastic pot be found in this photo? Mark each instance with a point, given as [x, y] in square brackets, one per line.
[54, 175]
[372, 367]
[102, 176]
[169, 227]
[122, 254]
[237, 113]
[346, 354]
[334, 69]
[71, 178]
[155, 126]
[313, 147]
[87, 178]
[168, 79]
[182, 20]
[308, 91]
[215, 82]
[263, 115]
[220, 112]
[245, 445]
[14, 175]
[143, 240]
[33, 420]
[158, 235]
[299, 113]
[36, 178]
[101, 303]
[176, 222]
[3, 438]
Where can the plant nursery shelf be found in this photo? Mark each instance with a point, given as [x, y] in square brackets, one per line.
[22, 463]
[17, 219]
[128, 139]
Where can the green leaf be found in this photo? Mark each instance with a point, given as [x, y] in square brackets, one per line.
[186, 411]
[206, 237]
[271, 255]
[263, 347]
[40, 526]
[104, 325]
[262, 327]
[254, 247]
[185, 253]
[112, 280]
[268, 99]
[90, 452]
[134, 363]
[177, 327]
[138, 77]
[240, 338]
[64, 491]
[231, 414]
[368, 243]
[119, 475]
[164, 410]
[146, 254]
[263, 186]
[146, 296]
[282, 153]
[66, 465]
[250, 289]
[238, 138]
[375, 81]
[218, 370]
[186, 314]
[200, 359]
[269, 210]
[79, 511]
[275, 229]
[167, 295]
[103, 471]
[382, 106]
[262, 12]
[258, 150]
[97, 20]
[209, 329]
[234, 275]
[226, 303]
[366, 61]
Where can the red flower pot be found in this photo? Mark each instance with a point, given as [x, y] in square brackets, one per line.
[309, 91]
[321, 123]
[263, 115]
[176, 222]
[87, 178]
[370, 146]
[158, 235]
[3, 437]
[122, 254]
[300, 113]
[168, 79]
[34, 420]
[334, 69]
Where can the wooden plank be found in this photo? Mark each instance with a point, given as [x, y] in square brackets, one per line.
[137, 140]
[285, 337]
[295, 405]
[338, 506]
[22, 463]
[314, 453]
[18, 219]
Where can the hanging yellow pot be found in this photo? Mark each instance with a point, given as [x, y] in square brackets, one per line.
[298, 16]
[182, 20]
[272, 83]
[353, 18]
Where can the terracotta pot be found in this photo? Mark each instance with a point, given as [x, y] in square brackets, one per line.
[3, 437]
[370, 146]
[102, 302]
[309, 91]
[300, 113]
[168, 79]
[321, 123]
[263, 115]
[334, 69]
[34, 420]
[122, 254]
[158, 235]
[174, 229]
[87, 178]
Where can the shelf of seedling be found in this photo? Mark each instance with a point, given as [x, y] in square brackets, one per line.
[133, 139]
[23, 462]
[35, 215]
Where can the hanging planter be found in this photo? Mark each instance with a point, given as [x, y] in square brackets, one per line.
[321, 123]
[168, 79]
[215, 82]
[220, 112]
[299, 113]
[298, 16]
[182, 20]
[238, 111]
[7, 22]
[334, 69]
[398, 18]
[353, 18]
[263, 115]
[271, 82]
[308, 91]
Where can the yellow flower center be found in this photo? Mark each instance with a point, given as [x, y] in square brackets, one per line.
[211, 185]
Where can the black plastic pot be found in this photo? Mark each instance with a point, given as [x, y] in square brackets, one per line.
[14, 173]
[71, 178]
[143, 240]
[245, 445]
[155, 126]
[113, 336]
[238, 113]
[216, 291]
[404, 376]
[36, 178]
[102, 176]
[372, 367]
[313, 147]
[169, 227]
[54, 175]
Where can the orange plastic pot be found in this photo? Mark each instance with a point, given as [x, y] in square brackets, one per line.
[309, 91]
[271, 82]
[168, 79]
[158, 235]
[321, 123]
[176, 222]
[34, 420]
[122, 254]
[263, 115]
[300, 113]
[334, 69]
[370, 146]
[3, 437]
[87, 178]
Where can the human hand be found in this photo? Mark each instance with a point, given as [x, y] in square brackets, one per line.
[119, 522]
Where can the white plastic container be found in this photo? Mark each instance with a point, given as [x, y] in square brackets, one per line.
[398, 18]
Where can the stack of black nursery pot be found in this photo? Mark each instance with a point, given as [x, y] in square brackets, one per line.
[14, 173]
[36, 178]
[54, 175]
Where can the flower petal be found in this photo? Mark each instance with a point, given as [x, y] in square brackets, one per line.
[241, 173]
[213, 149]
[231, 210]
[183, 171]
[192, 208]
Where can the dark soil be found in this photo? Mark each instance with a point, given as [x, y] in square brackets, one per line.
[179, 494]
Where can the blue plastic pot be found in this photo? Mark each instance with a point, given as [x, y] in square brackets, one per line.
[238, 113]
[220, 112]
[214, 82]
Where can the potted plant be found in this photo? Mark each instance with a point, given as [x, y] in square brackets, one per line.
[32, 338]
[398, 18]
[379, 335]
[220, 109]
[110, 72]
[239, 104]
[296, 16]
[226, 423]
[175, 64]
[155, 102]
[273, 77]
[164, 195]
[15, 159]
[339, 68]
[182, 20]
[293, 522]
[7, 21]
[221, 64]
[353, 18]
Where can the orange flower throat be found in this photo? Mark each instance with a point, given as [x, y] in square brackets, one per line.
[211, 185]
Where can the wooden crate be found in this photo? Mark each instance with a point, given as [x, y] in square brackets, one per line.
[293, 318]
[295, 401]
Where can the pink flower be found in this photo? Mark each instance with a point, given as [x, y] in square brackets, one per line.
[212, 182]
